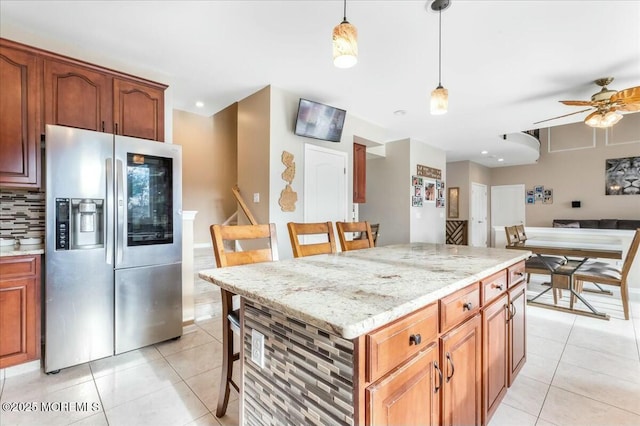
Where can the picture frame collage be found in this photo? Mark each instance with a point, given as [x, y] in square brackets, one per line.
[427, 191]
[539, 195]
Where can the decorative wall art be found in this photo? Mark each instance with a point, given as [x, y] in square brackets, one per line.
[453, 212]
[539, 195]
[429, 191]
[622, 176]
[288, 196]
[426, 190]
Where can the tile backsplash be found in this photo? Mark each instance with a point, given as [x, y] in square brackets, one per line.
[22, 213]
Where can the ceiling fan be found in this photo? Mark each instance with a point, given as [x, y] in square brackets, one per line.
[606, 103]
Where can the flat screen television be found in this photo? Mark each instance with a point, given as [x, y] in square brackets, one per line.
[319, 121]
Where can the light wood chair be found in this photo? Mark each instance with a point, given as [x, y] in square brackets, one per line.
[512, 235]
[230, 317]
[600, 273]
[375, 228]
[522, 235]
[319, 228]
[363, 227]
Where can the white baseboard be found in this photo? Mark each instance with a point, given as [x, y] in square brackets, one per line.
[202, 245]
[16, 370]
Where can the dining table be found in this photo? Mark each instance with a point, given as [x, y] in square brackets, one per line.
[576, 254]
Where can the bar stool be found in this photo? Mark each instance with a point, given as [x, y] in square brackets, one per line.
[320, 228]
[363, 227]
[230, 317]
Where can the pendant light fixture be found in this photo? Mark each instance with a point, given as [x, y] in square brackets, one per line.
[440, 96]
[345, 43]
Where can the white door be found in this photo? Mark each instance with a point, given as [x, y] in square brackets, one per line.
[325, 186]
[507, 209]
[478, 219]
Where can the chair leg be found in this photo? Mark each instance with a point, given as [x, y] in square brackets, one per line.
[528, 278]
[624, 294]
[226, 371]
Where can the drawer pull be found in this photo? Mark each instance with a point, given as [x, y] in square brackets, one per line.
[415, 339]
[435, 364]
[498, 286]
[453, 367]
[467, 306]
[520, 274]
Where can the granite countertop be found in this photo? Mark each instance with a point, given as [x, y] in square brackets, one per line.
[20, 250]
[353, 293]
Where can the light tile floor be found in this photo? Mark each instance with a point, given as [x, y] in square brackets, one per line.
[579, 371]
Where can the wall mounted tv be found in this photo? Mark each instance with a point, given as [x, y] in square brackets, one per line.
[319, 121]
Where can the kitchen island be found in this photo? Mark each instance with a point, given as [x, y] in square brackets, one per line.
[398, 334]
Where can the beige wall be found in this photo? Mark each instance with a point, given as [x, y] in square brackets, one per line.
[209, 166]
[572, 163]
[253, 153]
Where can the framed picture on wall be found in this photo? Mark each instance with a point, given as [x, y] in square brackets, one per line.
[429, 191]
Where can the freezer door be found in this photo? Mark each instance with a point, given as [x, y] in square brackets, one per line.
[78, 293]
[148, 305]
[148, 183]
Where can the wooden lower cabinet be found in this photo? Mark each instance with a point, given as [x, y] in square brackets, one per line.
[517, 346]
[494, 354]
[462, 368]
[19, 309]
[408, 396]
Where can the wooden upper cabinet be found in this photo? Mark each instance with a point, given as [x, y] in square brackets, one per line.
[19, 118]
[78, 97]
[359, 173]
[138, 110]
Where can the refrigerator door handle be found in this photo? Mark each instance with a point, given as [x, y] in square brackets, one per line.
[120, 231]
[109, 212]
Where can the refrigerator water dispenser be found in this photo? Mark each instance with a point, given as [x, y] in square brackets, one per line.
[86, 223]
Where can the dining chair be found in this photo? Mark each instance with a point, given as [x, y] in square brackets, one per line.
[606, 274]
[512, 235]
[522, 235]
[257, 236]
[319, 229]
[362, 227]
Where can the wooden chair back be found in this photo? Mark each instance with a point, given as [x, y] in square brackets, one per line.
[375, 227]
[512, 235]
[222, 233]
[522, 235]
[318, 228]
[363, 227]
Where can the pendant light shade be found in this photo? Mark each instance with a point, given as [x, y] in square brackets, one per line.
[440, 96]
[439, 100]
[603, 120]
[345, 43]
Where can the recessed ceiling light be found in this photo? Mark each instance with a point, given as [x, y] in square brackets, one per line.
[485, 152]
[200, 104]
[400, 112]
[500, 159]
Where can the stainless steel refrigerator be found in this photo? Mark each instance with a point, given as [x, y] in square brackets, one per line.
[113, 245]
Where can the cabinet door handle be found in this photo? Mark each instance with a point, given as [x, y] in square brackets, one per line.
[116, 132]
[467, 306]
[415, 339]
[439, 385]
[514, 310]
[453, 367]
[103, 126]
[506, 307]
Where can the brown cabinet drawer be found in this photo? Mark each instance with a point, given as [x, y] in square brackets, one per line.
[17, 266]
[459, 306]
[493, 286]
[516, 274]
[390, 346]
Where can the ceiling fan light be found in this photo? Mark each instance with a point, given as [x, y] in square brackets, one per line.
[345, 45]
[439, 100]
[602, 121]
